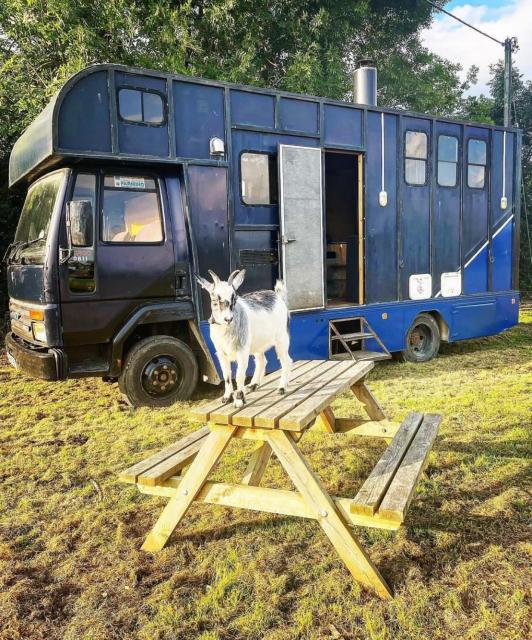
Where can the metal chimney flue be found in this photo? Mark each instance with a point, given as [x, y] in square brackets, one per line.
[365, 83]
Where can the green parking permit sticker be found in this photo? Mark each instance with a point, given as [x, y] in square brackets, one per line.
[133, 183]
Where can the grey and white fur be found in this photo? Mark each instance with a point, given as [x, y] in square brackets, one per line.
[246, 325]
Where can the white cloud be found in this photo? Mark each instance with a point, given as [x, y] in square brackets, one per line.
[456, 42]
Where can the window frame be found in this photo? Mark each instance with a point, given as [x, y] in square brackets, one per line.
[476, 164]
[456, 162]
[272, 159]
[142, 122]
[110, 173]
[425, 160]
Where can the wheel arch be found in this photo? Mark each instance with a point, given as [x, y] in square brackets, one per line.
[175, 319]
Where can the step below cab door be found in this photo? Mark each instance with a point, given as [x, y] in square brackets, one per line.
[301, 226]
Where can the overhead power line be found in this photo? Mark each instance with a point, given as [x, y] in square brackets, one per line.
[437, 6]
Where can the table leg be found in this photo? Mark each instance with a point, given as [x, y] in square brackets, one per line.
[327, 420]
[209, 454]
[364, 395]
[317, 498]
[257, 465]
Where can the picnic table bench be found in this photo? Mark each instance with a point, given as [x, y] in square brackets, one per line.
[277, 422]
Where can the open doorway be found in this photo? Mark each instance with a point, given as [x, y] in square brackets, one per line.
[343, 228]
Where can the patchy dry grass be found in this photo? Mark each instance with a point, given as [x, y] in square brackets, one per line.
[70, 561]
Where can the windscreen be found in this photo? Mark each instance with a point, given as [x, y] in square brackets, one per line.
[37, 213]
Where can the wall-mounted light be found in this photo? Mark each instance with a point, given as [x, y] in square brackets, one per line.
[216, 147]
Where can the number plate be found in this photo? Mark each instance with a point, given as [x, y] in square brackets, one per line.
[12, 360]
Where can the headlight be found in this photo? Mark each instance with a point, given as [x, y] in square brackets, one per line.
[39, 332]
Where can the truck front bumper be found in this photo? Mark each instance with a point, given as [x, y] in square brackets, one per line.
[47, 363]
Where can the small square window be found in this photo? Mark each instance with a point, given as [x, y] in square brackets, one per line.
[415, 171]
[448, 148]
[139, 106]
[258, 178]
[476, 176]
[416, 145]
[476, 151]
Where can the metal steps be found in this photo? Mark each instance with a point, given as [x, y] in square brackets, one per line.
[347, 340]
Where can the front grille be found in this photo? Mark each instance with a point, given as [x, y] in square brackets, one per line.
[257, 257]
[20, 320]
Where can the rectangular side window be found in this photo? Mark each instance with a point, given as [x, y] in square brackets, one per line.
[416, 152]
[81, 264]
[258, 174]
[476, 163]
[131, 211]
[447, 161]
[141, 107]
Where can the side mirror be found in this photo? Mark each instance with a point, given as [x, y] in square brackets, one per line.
[80, 223]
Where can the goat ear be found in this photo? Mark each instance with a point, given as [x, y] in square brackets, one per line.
[214, 277]
[238, 279]
[232, 276]
[204, 283]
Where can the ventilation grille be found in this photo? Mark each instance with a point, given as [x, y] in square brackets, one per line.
[258, 257]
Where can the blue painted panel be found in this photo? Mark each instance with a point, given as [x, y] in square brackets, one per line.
[414, 228]
[502, 247]
[265, 142]
[84, 117]
[207, 198]
[199, 116]
[475, 219]
[298, 115]
[467, 317]
[256, 109]
[140, 138]
[446, 214]
[381, 222]
[497, 214]
[343, 126]
[475, 278]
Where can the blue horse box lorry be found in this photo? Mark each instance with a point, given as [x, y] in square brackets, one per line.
[392, 230]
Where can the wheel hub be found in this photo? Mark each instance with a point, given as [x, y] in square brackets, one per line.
[160, 376]
[419, 339]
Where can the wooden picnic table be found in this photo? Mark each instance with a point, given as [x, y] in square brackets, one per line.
[277, 422]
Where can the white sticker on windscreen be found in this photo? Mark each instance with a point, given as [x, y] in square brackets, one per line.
[131, 183]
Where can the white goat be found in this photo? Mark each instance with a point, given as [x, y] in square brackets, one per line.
[244, 325]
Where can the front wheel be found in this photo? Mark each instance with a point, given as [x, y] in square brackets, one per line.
[159, 371]
[422, 339]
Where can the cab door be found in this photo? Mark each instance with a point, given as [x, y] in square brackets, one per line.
[301, 226]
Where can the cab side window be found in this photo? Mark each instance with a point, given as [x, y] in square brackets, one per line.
[416, 152]
[131, 210]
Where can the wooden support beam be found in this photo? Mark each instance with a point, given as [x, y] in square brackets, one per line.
[360, 427]
[279, 501]
[213, 447]
[257, 465]
[371, 406]
[326, 421]
[317, 499]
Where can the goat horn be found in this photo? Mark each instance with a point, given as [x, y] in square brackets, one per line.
[214, 277]
[233, 276]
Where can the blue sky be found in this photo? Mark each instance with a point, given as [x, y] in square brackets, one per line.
[499, 18]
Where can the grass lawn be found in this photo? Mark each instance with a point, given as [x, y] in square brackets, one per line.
[70, 535]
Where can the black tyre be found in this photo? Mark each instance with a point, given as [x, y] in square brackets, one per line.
[158, 371]
[422, 339]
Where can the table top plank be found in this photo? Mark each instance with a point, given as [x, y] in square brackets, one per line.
[301, 415]
[269, 418]
[204, 411]
[224, 414]
[246, 416]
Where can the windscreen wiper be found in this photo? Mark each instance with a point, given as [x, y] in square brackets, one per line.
[23, 245]
[11, 247]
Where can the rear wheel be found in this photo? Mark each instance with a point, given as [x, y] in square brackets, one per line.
[159, 371]
[422, 339]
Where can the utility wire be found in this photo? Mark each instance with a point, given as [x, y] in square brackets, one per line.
[437, 6]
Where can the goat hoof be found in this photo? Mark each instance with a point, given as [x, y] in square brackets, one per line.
[226, 399]
[282, 391]
[238, 404]
[252, 387]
